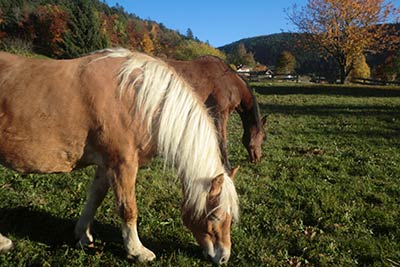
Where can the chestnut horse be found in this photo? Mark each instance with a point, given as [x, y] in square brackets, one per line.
[116, 109]
[223, 91]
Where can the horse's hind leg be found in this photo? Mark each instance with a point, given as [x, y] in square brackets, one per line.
[123, 184]
[5, 244]
[97, 192]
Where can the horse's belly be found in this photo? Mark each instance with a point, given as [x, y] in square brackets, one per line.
[39, 153]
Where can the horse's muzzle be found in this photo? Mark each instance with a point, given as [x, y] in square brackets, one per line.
[221, 256]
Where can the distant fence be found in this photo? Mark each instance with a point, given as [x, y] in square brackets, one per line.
[374, 82]
[259, 76]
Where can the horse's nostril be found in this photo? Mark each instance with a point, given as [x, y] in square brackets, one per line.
[223, 260]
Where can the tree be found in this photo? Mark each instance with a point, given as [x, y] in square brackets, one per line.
[189, 34]
[48, 24]
[240, 56]
[286, 63]
[393, 66]
[147, 44]
[360, 68]
[390, 69]
[85, 29]
[347, 28]
[191, 49]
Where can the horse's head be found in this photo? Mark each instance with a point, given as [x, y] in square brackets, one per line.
[213, 230]
[252, 139]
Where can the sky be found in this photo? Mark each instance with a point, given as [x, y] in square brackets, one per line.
[218, 22]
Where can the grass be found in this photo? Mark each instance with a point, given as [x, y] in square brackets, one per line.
[327, 192]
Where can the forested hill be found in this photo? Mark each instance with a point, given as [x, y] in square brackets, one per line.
[267, 49]
[69, 28]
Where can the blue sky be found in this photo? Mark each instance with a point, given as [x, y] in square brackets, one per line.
[219, 22]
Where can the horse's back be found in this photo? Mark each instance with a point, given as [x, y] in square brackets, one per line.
[212, 80]
[42, 118]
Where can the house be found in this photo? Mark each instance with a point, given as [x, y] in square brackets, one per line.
[243, 70]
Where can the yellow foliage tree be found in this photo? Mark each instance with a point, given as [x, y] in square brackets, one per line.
[147, 44]
[347, 28]
[360, 68]
[191, 49]
[286, 63]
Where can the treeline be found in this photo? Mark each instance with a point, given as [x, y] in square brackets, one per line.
[269, 49]
[69, 28]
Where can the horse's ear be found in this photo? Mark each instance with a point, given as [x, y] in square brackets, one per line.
[264, 120]
[216, 185]
[233, 172]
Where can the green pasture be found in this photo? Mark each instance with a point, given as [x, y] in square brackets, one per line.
[327, 192]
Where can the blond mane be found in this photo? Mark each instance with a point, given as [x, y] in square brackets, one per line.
[187, 138]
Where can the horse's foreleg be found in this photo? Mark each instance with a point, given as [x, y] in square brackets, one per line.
[97, 193]
[123, 185]
[5, 244]
[223, 122]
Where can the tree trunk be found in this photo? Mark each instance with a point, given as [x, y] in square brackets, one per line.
[342, 74]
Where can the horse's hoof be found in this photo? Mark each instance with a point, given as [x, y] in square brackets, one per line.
[85, 242]
[86, 245]
[143, 255]
[5, 245]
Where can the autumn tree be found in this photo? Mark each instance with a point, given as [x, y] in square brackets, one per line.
[286, 63]
[48, 24]
[360, 68]
[345, 29]
[2, 20]
[191, 49]
[393, 65]
[147, 44]
[390, 68]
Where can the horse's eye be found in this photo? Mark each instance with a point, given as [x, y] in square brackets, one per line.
[214, 217]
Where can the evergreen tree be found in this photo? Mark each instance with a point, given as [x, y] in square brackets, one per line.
[240, 56]
[189, 34]
[85, 31]
[393, 68]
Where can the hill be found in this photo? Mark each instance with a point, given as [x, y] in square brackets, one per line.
[266, 50]
[69, 28]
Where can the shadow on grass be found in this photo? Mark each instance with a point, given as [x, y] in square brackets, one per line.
[346, 90]
[332, 110]
[42, 227]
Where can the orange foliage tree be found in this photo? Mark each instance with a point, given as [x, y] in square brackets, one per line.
[47, 25]
[346, 29]
[2, 34]
[147, 44]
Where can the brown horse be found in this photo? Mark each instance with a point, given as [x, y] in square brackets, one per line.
[223, 91]
[116, 109]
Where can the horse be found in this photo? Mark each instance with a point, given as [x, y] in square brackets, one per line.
[117, 109]
[224, 91]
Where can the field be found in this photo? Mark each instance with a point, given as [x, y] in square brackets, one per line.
[327, 192]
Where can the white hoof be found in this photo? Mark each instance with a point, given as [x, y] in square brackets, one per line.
[142, 255]
[85, 241]
[5, 244]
